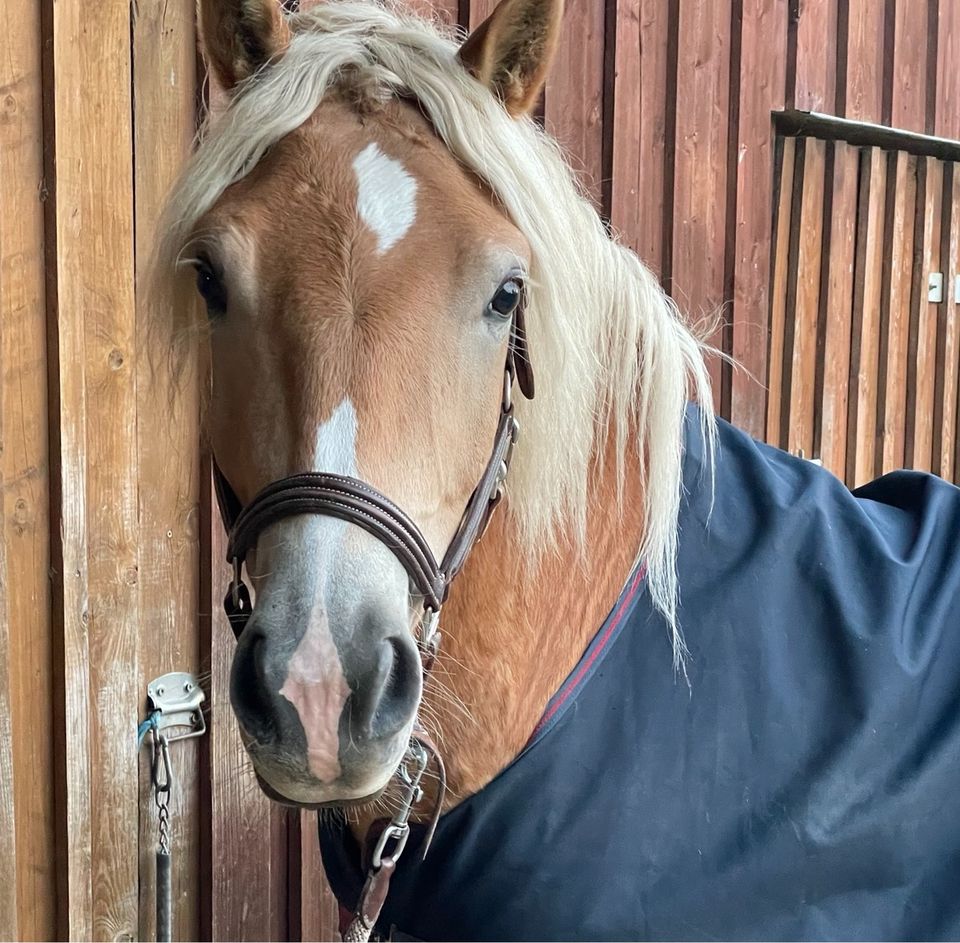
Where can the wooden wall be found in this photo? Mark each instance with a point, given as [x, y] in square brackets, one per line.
[110, 557]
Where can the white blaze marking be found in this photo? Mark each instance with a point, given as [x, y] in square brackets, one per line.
[386, 196]
[336, 447]
[315, 684]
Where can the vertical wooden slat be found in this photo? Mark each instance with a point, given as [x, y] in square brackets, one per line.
[479, 11]
[625, 214]
[320, 912]
[865, 337]
[778, 294]
[865, 61]
[923, 320]
[447, 11]
[814, 86]
[700, 181]
[895, 311]
[27, 851]
[164, 84]
[248, 880]
[838, 312]
[909, 80]
[764, 33]
[573, 109]
[948, 342]
[947, 101]
[802, 316]
[97, 453]
[639, 124]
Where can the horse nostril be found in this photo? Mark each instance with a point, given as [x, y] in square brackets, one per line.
[248, 690]
[387, 694]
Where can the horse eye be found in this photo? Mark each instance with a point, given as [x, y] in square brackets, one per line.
[506, 298]
[211, 288]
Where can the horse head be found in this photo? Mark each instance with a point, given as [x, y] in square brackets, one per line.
[365, 220]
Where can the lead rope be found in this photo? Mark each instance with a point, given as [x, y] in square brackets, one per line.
[393, 839]
[175, 714]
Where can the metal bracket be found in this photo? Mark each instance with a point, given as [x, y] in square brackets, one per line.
[935, 288]
[177, 698]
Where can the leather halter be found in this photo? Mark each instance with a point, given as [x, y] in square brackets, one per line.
[359, 503]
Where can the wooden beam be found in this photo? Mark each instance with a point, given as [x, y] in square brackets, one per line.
[98, 463]
[27, 842]
[700, 165]
[838, 312]
[794, 123]
[164, 110]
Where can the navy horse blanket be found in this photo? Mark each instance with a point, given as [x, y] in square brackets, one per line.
[804, 786]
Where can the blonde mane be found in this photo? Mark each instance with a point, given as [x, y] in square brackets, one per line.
[611, 352]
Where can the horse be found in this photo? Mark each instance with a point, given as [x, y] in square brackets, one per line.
[759, 737]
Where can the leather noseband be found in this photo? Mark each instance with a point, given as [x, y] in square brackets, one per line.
[357, 502]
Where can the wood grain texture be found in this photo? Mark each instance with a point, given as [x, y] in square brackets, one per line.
[909, 69]
[763, 48]
[27, 842]
[700, 165]
[895, 311]
[573, 98]
[639, 128]
[164, 83]
[948, 341]
[248, 885]
[94, 150]
[947, 99]
[918, 449]
[815, 82]
[97, 456]
[803, 314]
[778, 293]
[865, 337]
[865, 62]
[838, 312]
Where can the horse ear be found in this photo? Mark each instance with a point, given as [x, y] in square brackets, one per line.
[240, 36]
[511, 51]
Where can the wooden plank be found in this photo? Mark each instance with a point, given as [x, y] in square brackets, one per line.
[96, 390]
[573, 98]
[628, 120]
[479, 11]
[784, 184]
[164, 83]
[803, 315]
[248, 885]
[865, 60]
[321, 916]
[895, 310]
[700, 164]
[27, 841]
[761, 91]
[909, 79]
[948, 341]
[832, 440]
[447, 11]
[639, 128]
[947, 93]
[814, 87]
[865, 337]
[918, 448]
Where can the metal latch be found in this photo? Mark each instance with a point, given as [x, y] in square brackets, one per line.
[176, 697]
[935, 288]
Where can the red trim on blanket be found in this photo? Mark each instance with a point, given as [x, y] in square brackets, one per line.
[573, 682]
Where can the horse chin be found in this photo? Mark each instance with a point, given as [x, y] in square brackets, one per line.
[348, 803]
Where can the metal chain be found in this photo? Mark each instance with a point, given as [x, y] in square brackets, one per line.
[162, 798]
[162, 778]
